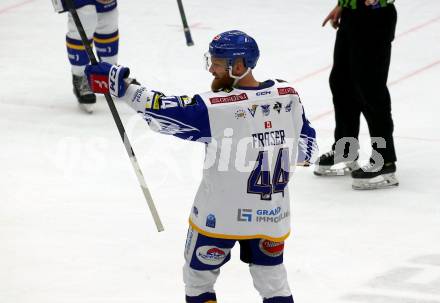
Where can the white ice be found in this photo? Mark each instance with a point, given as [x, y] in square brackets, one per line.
[74, 226]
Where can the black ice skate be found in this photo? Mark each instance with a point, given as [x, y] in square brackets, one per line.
[372, 177]
[81, 89]
[331, 165]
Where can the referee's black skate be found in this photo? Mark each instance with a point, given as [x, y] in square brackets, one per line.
[81, 89]
[330, 164]
[371, 176]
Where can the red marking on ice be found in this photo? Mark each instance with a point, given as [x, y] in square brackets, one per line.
[8, 8]
[407, 76]
[414, 73]
[323, 69]
[415, 28]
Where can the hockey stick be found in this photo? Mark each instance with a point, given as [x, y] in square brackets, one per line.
[117, 120]
[189, 40]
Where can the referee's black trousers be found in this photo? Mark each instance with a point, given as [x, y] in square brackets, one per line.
[359, 75]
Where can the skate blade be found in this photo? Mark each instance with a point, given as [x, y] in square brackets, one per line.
[379, 182]
[334, 170]
[88, 108]
[329, 172]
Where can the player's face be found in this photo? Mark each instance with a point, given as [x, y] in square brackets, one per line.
[218, 68]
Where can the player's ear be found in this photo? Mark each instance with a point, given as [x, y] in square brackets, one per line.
[239, 67]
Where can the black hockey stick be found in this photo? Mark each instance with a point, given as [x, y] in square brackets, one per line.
[117, 120]
[189, 40]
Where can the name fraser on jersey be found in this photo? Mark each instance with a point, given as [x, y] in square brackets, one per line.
[275, 137]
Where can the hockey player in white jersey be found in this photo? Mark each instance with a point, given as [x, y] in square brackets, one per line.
[254, 133]
[100, 21]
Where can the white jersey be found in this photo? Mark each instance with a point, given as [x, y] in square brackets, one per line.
[253, 137]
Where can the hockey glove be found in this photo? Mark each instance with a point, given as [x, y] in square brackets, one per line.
[105, 78]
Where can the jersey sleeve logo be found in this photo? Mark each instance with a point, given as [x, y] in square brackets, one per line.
[228, 99]
[167, 125]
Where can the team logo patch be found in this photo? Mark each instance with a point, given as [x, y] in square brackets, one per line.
[212, 255]
[265, 109]
[240, 113]
[286, 91]
[228, 99]
[253, 110]
[277, 107]
[288, 107]
[210, 221]
[270, 248]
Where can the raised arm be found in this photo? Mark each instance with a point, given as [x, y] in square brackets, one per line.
[180, 116]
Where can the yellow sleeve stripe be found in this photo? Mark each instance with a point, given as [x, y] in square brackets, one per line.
[236, 237]
[156, 102]
[108, 40]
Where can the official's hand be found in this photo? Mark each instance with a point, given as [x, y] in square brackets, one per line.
[105, 78]
[334, 17]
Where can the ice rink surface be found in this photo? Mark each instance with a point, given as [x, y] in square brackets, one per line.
[74, 227]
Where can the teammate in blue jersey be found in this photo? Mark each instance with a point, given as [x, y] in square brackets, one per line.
[254, 133]
[100, 21]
